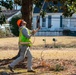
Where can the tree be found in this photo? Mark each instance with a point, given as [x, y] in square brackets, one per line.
[8, 4]
[27, 14]
[68, 8]
[2, 17]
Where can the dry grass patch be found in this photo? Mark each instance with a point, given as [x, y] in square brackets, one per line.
[11, 44]
[53, 59]
[62, 41]
[69, 54]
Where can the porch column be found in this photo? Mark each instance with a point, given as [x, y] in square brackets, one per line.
[34, 22]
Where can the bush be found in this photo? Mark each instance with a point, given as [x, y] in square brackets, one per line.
[57, 67]
[2, 34]
[2, 19]
[5, 33]
[13, 25]
[8, 32]
[66, 32]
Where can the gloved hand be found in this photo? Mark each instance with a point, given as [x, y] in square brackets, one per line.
[33, 32]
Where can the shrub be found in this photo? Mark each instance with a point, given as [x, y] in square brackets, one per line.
[5, 33]
[57, 67]
[13, 25]
[66, 32]
[2, 34]
[8, 32]
[2, 19]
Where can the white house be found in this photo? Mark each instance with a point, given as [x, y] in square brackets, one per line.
[54, 24]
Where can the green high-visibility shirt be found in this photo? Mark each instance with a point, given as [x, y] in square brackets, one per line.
[23, 38]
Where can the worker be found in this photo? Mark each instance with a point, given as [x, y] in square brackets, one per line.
[24, 45]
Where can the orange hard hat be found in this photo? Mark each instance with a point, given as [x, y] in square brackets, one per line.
[19, 22]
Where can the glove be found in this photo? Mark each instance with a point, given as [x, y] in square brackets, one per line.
[33, 32]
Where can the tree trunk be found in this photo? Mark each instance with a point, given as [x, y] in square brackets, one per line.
[27, 10]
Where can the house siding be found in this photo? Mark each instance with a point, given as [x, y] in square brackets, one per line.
[53, 24]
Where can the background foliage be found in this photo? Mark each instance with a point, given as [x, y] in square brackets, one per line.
[68, 7]
[13, 25]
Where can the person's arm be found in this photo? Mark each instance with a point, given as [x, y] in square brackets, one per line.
[34, 31]
[25, 33]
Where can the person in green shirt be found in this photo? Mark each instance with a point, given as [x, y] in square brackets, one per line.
[24, 45]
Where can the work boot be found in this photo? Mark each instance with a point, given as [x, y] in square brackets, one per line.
[31, 71]
[11, 69]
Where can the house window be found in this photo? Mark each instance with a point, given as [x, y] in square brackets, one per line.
[65, 22]
[49, 21]
[73, 22]
[44, 22]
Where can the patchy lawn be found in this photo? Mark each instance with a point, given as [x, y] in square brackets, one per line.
[46, 61]
[62, 42]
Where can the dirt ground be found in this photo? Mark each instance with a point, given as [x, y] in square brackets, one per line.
[44, 62]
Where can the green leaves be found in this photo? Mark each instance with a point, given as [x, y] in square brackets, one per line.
[2, 19]
[18, 2]
[51, 8]
[13, 25]
[55, 1]
[39, 4]
[7, 4]
[42, 13]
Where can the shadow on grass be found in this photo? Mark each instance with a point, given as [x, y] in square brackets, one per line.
[6, 73]
[20, 73]
[5, 61]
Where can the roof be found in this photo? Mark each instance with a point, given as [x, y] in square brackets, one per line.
[9, 13]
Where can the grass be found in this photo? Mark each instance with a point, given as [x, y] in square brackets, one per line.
[60, 39]
[38, 43]
[69, 54]
[54, 56]
[11, 44]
